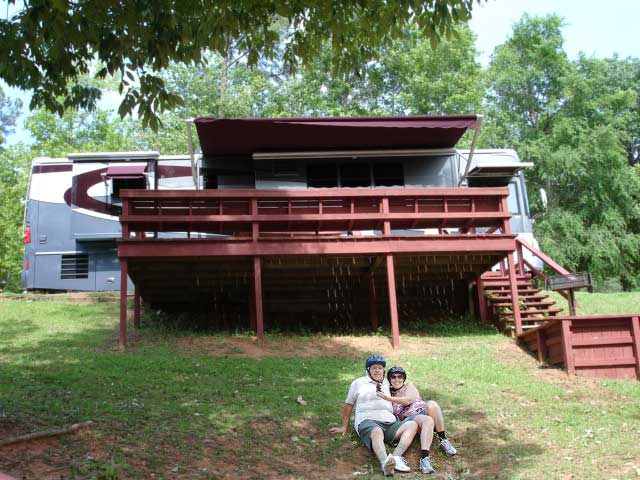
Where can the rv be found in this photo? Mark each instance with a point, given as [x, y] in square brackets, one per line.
[72, 224]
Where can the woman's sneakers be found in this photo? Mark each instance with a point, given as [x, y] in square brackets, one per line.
[388, 466]
[447, 448]
[425, 466]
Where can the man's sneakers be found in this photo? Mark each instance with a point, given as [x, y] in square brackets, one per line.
[425, 465]
[446, 447]
[401, 464]
[388, 466]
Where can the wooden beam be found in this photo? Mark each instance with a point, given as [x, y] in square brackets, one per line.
[228, 246]
[257, 292]
[542, 347]
[515, 299]
[136, 308]
[635, 332]
[123, 303]
[571, 299]
[331, 193]
[252, 308]
[567, 346]
[482, 301]
[393, 305]
[373, 302]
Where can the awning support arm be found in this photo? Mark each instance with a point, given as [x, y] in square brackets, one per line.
[192, 157]
[476, 134]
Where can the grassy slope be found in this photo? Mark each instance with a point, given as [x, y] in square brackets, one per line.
[180, 413]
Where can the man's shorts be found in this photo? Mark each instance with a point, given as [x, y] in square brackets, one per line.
[388, 428]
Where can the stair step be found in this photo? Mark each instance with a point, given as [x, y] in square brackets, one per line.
[550, 311]
[497, 273]
[504, 283]
[507, 298]
[528, 304]
[531, 325]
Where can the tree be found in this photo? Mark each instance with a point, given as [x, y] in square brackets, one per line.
[13, 186]
[576, 122]
[9, 113]
[75, 131]
[526, 81]
[48, 46]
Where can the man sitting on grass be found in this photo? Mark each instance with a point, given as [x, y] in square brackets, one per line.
[375, 422]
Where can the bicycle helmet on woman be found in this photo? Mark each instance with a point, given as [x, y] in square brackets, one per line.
[396, 370]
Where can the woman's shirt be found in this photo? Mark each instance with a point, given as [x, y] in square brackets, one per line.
[417, 407]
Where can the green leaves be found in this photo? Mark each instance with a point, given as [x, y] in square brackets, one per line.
[577, 121]
[49, 46]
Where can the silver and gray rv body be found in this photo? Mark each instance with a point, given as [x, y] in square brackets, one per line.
[71, 218]
[73, 203]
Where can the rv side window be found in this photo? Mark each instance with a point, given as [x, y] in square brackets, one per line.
[514, 199]
[322, 176]
[355, 174]
[388, 175]
[118, 184]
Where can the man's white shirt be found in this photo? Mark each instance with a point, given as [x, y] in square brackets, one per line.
[362, 394]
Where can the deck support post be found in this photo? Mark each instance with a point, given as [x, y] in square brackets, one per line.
[482, 302]
[635, 335]
[136, 307]
[542, 345]
[393, 304]
[252, 307]
[571, 300]
[123, 303]
[567, 346]
[515, 298]
[519, 249]
[470, 300]
[257, 296]
[373, 302]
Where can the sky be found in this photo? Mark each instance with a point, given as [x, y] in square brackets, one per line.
[595, 27]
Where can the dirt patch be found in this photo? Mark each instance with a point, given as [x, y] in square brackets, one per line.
[317, 346]
[47, 458]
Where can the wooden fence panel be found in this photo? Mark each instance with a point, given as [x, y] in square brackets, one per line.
[594, 346]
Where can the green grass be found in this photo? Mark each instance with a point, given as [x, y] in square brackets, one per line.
[180, 412]
[600, 303]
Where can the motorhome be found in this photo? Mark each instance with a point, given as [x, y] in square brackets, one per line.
[73, 203]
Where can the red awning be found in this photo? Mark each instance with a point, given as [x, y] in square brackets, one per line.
[235, 136]
[125, 171]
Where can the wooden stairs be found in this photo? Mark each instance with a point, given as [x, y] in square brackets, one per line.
[535, 307]
[595, 345]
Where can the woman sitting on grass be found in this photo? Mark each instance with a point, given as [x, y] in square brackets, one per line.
[407, 403]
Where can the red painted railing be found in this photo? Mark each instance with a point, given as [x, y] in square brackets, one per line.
[262, 213]
[568, 294]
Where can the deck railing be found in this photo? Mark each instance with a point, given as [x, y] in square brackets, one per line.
[269, 213]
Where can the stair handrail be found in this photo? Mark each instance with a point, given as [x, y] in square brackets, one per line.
[569, 295]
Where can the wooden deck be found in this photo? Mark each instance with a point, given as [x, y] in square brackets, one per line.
[341, 250]
[595, 346]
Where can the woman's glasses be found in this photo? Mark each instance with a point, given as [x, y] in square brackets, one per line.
[396, 377]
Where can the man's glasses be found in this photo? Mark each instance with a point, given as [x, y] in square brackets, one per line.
[396, 377]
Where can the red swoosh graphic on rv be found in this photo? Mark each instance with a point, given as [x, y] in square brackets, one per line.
[78, 195]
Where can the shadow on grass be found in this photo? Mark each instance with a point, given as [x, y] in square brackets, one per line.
[191, 323]
[162, 411]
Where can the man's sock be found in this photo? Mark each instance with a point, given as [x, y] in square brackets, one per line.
[441, 435]
[401, 448]
[424, 453]
[380, 452]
